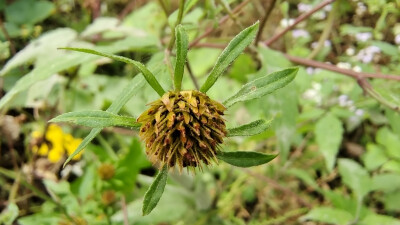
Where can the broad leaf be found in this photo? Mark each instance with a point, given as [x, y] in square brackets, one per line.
[181, 52]
[263, 86]
[230, 53]
[375, 219]
[355, 177]
[245, 159]
[155, 191]
[328, 215]
[250, 129]
[142, 68]
[99, 119]
[328, 132]
[124, 96]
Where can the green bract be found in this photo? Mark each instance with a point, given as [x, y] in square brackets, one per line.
[185, 128]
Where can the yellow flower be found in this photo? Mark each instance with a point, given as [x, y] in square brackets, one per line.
[60, 143]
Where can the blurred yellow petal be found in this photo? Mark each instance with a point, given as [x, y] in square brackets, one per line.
[54, 156]
[36, 134]
[55, 134]
[43, 150]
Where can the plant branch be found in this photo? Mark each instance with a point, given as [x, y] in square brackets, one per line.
[264, 20]
[297, 21]
[124, 210]
[189, 68]
[221, 21]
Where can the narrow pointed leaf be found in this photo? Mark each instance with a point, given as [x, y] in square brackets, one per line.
[96, 119]
[150, 78]
[245, 159]
[123, 97]
[155, 191]
[181, 52]
[230, 53]
[253, 128]
[263, 86]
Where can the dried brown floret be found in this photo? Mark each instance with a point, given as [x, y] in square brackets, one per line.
[183, 128]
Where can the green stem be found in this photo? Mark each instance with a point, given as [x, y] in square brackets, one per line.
[107, 147]
[178, 21]
[326, 32]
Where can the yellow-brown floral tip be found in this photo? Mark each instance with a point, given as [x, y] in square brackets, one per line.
[106, 171]
[183, 128]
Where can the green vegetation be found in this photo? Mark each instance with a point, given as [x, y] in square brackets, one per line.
[308, 92]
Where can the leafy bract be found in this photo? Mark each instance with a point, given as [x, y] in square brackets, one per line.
[230, 53]
[127, 93]
[181, 52]
[155, 191]
[146, 72]
[99, 119]
[263, 86]
[245, 159]
[250, 129]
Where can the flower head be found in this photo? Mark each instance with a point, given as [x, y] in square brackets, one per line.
[183, 128]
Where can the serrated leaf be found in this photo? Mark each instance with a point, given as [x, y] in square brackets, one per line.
[127, 93]
[263, 86]
[250, 129]
[155, 191]
[328, 132]
[245, 159]
[182, 44]
[355, 177]
[230, 53]
[150, 78]
[96, 119]
[328, 215]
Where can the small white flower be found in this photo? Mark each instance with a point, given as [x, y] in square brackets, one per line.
[342, 99]
[357, 69]
[327, 43]
[350, 51]
[343, 65]
[302, 7]
[328, 8]
[310, 70]
[359, 112]
[286, 22]
[320, 15]
[367, 54]
[397, 39]
[352, 108]
[316, 86]
[364, 36]
[297, 33]
[361, 8]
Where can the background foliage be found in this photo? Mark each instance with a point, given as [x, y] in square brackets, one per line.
[337, 133]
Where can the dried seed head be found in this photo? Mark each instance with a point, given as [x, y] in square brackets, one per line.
[183, 128]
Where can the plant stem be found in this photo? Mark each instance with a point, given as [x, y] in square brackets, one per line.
[124, 210]
[264, 20]
[326, 32]
[297, 21]
[189, 68]
[178, 21]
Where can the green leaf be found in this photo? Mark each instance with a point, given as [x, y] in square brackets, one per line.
[250, 129]
[124, 96]
[245, 159]
[9, 214]
[142, 68]
[230, 53]
[387, 182]
[98, 119]
[263, 86]
[355, 177]
[328, 132]
[328, 215]
[155, 191]
[24, 12]
[374, 219]
[182, 44]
